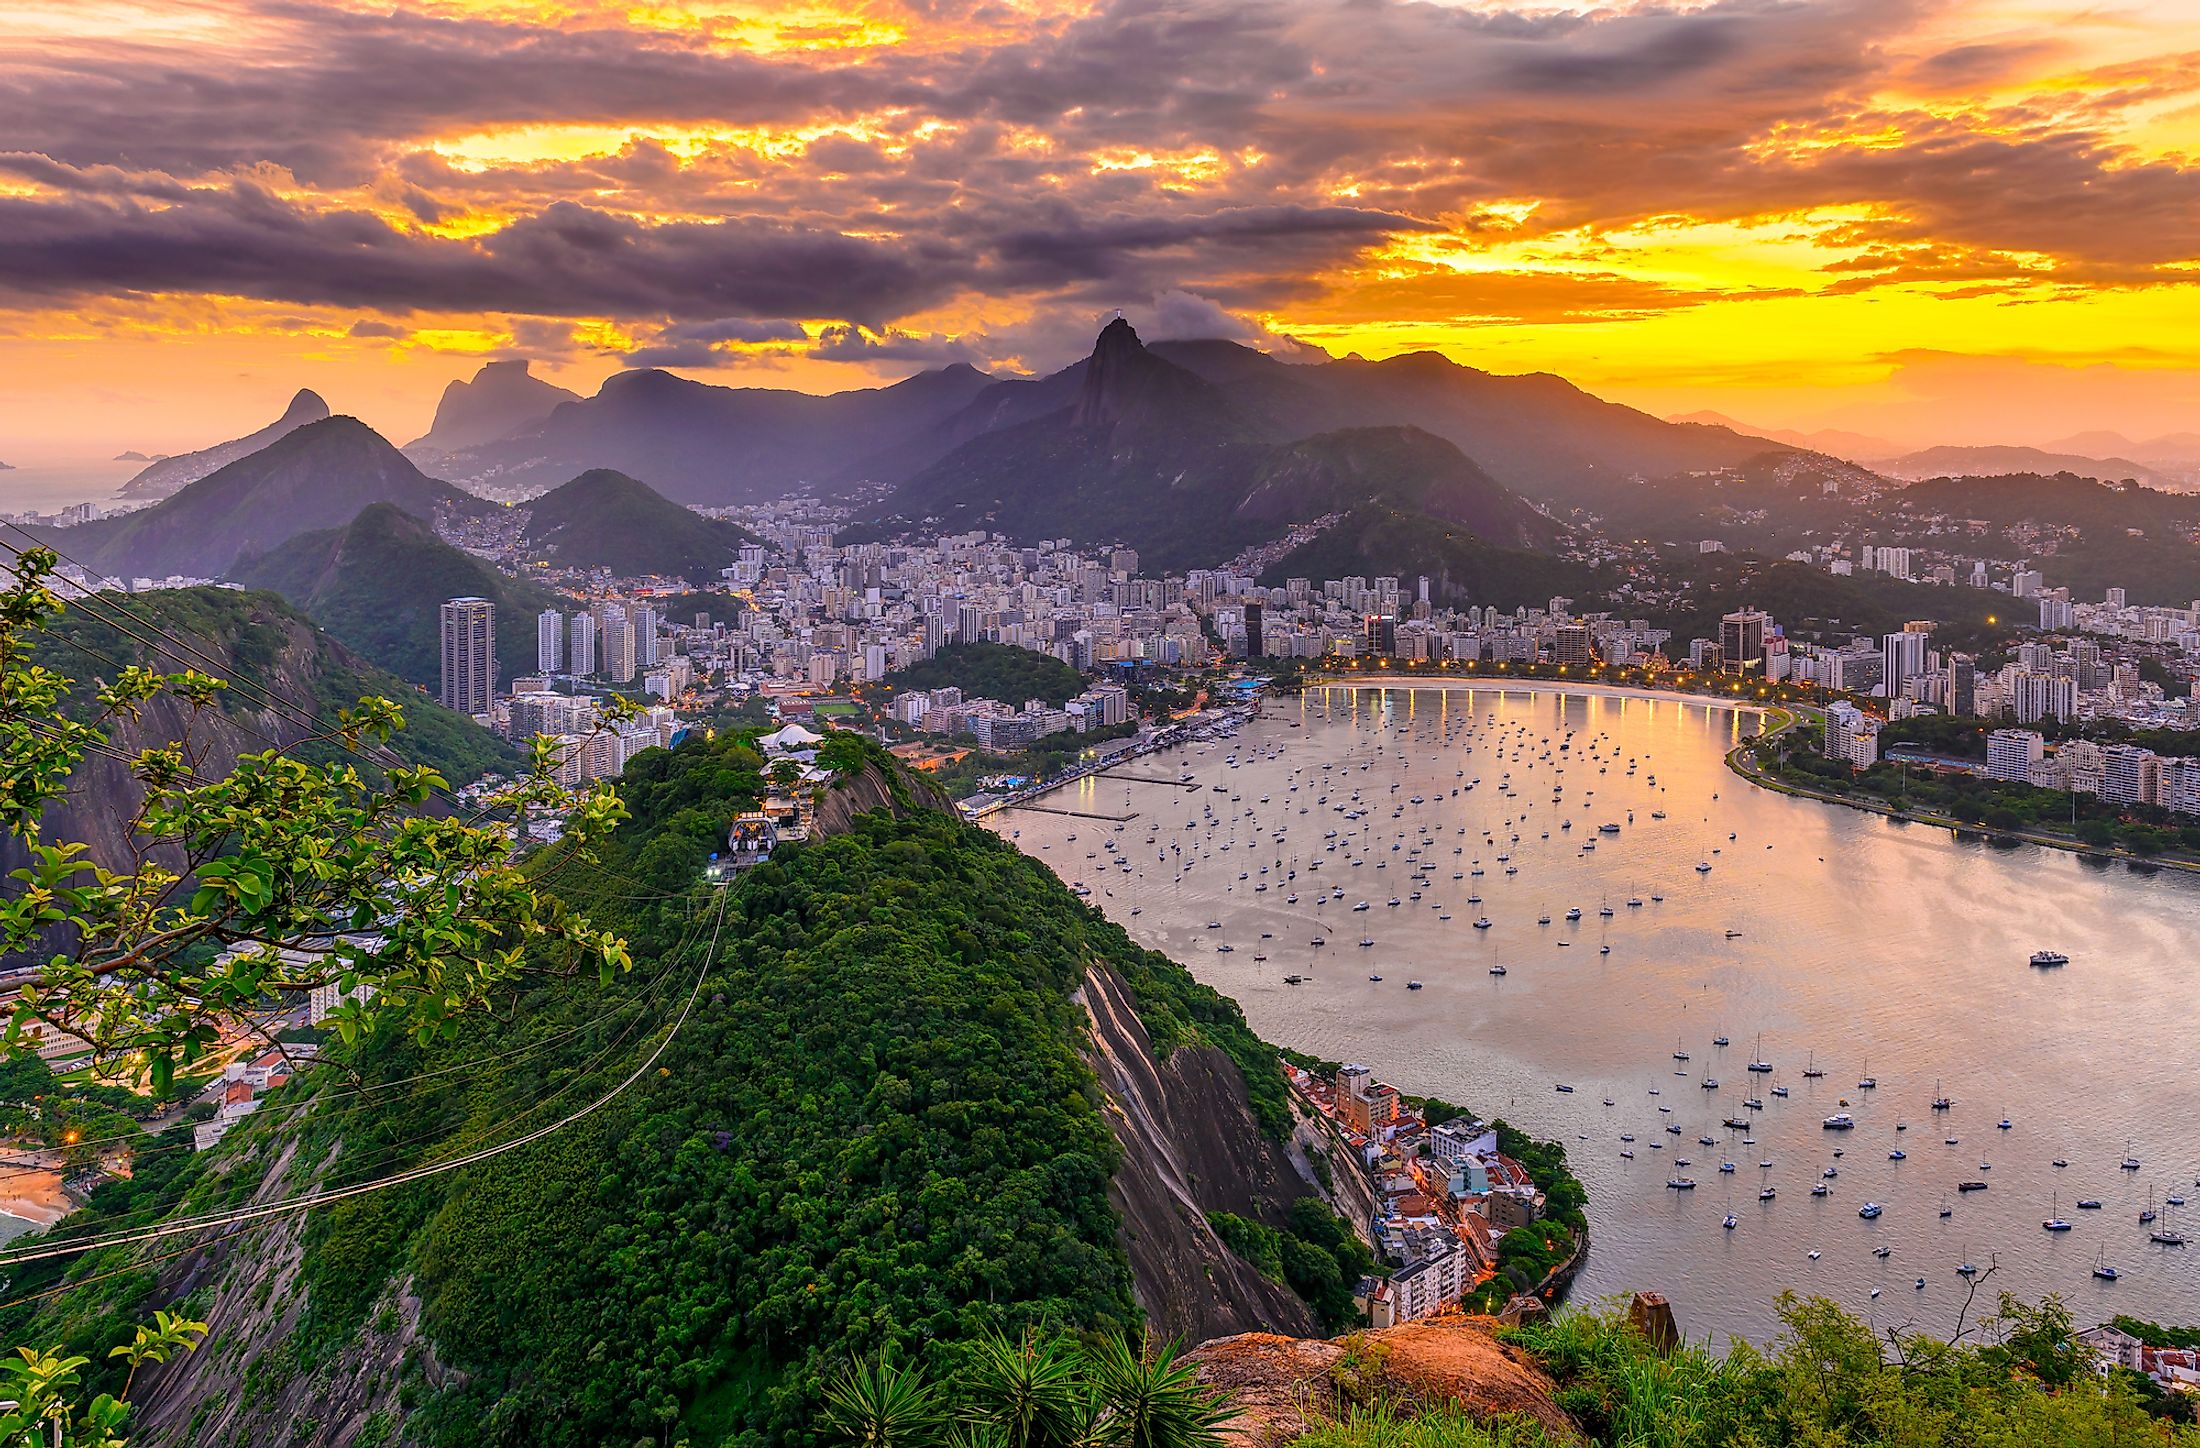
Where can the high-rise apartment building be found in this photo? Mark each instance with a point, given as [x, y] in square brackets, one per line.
[549, 641]
[1905, 659]
[469, 654]
[2012, 754]
[581, 644]
[618, 650]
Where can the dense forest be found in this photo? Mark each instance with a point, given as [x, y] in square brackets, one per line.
[1462, 568]
[875, 1131]
[2016, 1379]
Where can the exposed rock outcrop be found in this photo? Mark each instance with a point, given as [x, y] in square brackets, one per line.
[1190, 1147]
[1282, 1386]
[871, 788]
[245, 1386]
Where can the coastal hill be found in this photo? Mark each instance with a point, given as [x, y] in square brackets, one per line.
[316, 476]
[166, 475]
[502, 398]
[377, 582]
[605, 519]
[1149, 452]
[924, 1091]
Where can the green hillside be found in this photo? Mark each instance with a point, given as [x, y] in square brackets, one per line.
[993, 671]
[266, 644]
[605, 519]
[877, 1128]
[377, 583]
[1462, 569]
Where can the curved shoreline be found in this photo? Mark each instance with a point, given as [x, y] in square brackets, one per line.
[1739, 763]
[1500, 684]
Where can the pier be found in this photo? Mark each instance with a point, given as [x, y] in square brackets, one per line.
[1075, 814]
[1147, 779]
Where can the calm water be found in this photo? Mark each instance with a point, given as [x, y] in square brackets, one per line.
[1865, 947]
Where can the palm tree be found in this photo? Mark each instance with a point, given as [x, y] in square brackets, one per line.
[879, 1405]
[1030, 1390]
[1153, 1399]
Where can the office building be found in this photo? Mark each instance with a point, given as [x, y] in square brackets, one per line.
[1904, 659]
[1742, 640]
[469, 655]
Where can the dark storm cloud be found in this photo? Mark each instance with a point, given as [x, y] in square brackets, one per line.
[1038, 158]
[564, 261]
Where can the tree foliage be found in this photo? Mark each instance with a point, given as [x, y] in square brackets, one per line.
[299, 873]
[992, 671]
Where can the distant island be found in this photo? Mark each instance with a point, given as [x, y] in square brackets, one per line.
[7, 467]
[134, 456]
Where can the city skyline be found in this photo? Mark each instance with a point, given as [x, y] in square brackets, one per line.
[1963, 221]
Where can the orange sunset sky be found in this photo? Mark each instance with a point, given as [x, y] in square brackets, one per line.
[1933, 220]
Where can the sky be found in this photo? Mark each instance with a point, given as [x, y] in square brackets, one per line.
[1933, 220]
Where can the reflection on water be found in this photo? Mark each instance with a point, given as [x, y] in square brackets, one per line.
[1845, 942]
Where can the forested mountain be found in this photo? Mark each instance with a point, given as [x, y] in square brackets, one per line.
[1150, 453]
[605, 519]
[162, 478]
[503, 397]
[888, 1121]
[1537, 434]
[992, 671]
[377, 582]
[1377, 538]
[697, 443]
[316, 476]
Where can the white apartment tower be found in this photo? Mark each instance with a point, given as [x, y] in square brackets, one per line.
[549, 641]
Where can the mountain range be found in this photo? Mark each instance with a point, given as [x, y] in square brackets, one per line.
[1187, 465]
[167, 475]
[2166, 461]
[1957, 462]
[1833, 441]
[697, 443]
